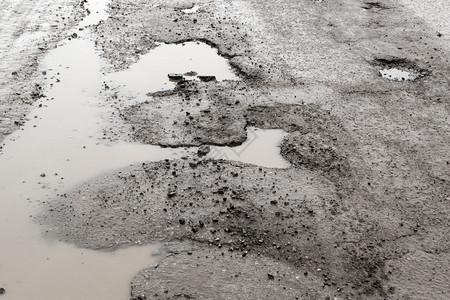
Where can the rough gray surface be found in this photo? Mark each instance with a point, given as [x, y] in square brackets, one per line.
[24, 42]
[225, 275]
[364, 209]
[296, 215]
[192, 115]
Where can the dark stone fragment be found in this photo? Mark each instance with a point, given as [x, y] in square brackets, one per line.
[171, 193]
[191, 73]
[207, 78]
[203, 150]
[175, 76]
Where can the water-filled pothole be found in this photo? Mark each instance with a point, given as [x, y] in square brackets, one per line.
[261, 148]
[57, 149]
[399, 69]
[162, 67]
[399, 75]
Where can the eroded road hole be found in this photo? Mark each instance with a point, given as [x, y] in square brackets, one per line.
[399, 69]
[399, 75]
[164, 66]
[262, 148]
[56, 149]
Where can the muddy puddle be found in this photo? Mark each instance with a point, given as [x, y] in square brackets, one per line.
[190, 60]
[60, 146]
[261, 148]
[57, 149]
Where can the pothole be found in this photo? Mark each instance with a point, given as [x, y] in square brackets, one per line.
[60, 147]
[261, 148]
[167, 64]
[399, 75]
[399, 69]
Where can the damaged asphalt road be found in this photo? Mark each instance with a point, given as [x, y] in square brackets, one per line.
[363, 211]
[24, 42]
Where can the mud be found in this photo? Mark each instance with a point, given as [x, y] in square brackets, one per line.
[191, 115]
[362, 212]
[255, 277]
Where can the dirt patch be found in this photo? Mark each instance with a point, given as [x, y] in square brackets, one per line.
[252, 276]
[240, 208]
[193, 114]
[315, 151]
